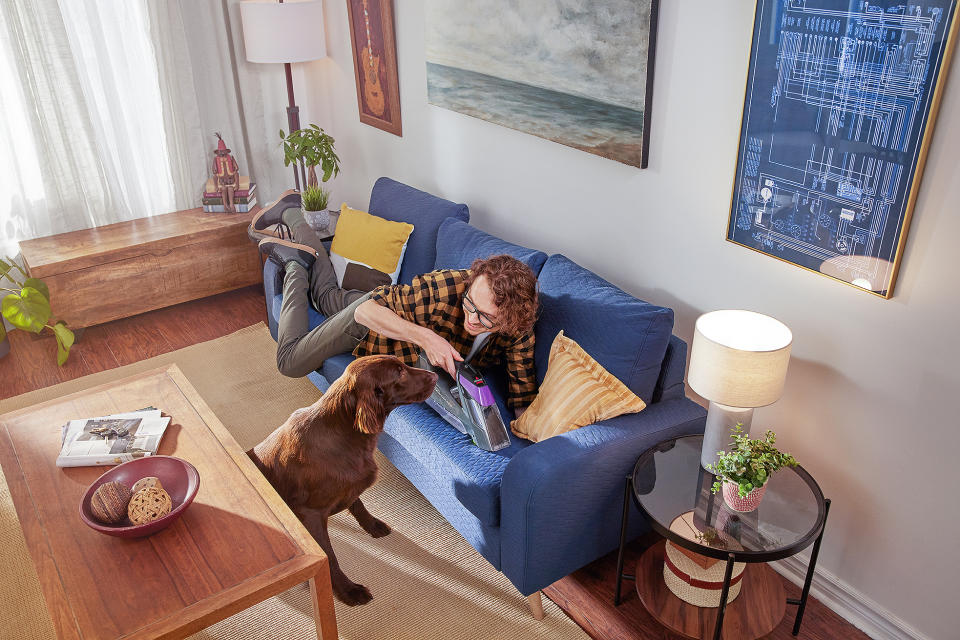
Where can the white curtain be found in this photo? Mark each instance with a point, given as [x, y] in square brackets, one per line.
[108, 110]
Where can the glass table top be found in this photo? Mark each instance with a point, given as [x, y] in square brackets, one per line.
[674, 491]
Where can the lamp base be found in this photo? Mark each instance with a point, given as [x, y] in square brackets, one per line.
[720, 420]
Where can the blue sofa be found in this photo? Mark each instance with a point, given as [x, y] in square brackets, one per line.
[535, 511]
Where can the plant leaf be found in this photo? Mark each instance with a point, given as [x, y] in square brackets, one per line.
[28, 311]
[65, 339]
[4, 268]
[39, 285]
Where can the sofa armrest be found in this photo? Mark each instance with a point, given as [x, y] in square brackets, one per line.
[562, 499]
[272, 286]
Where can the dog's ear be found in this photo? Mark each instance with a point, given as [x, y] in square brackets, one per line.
[370, 411]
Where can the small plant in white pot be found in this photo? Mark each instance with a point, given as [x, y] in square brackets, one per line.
[313, 203]
[742, 474]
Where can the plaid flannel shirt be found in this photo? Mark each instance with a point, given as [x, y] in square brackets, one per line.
[435, 300]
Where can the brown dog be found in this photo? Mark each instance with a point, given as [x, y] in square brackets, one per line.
[321, 459]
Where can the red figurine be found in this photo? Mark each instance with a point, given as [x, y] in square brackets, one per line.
[226, 175]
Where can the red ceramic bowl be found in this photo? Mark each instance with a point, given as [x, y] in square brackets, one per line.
[178, 477]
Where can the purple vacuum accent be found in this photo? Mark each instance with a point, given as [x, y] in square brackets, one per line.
[476, 387]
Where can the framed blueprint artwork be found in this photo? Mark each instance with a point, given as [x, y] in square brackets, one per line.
[577, 72]
[840, 105]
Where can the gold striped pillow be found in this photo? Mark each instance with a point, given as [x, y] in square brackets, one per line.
[576, 391]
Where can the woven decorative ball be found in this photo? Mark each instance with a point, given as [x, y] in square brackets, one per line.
[109, 502]
[149, 481]
[148, 504]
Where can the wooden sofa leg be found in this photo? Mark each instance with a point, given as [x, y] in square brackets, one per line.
[536, 605]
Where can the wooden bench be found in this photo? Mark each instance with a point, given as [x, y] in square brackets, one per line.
[119, 270]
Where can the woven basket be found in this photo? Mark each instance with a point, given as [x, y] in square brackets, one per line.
[695, 584]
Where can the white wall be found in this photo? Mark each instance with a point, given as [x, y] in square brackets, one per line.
[871, 395]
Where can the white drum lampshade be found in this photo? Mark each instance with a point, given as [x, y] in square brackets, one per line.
[738, 361]
[283, 32]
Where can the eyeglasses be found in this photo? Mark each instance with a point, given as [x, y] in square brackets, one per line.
[471, 308]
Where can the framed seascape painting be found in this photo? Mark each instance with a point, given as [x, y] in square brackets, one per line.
[840, 105]
[375, 63]
[577, 72]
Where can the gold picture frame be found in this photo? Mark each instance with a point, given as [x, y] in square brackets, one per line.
[836, 127]
[374, 49]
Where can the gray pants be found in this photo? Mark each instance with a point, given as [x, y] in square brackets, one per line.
[301, 350]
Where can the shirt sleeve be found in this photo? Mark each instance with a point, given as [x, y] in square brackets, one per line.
[521, 373]
[412, 302]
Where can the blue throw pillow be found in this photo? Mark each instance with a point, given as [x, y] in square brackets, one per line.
[459, 244]
[396, 201]
[626, 335]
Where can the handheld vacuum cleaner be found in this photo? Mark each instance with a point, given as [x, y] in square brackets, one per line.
[467, 403]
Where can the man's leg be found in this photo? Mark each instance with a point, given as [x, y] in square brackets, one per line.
[325, 294]
[300, 350]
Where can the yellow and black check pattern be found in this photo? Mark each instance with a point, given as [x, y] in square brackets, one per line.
[435, 300]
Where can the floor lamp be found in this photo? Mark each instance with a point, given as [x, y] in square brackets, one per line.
[279, 32]
[738, 361]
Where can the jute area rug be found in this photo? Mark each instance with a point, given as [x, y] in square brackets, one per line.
[427, 581]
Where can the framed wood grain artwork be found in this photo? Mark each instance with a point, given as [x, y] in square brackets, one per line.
[840, 105]
[375, 63]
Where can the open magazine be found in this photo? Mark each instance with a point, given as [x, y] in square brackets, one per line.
[113, 439]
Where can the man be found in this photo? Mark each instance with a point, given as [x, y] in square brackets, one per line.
[491, 308]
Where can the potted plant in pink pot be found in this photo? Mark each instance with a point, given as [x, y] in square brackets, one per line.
[742, 473]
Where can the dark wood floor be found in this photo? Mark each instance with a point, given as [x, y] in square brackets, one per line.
[586, 596]
[32, 363]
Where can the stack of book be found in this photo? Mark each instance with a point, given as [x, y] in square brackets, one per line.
[244, 197]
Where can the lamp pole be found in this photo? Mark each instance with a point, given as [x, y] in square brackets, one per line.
[293, 122]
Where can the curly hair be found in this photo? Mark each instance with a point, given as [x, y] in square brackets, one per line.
[514, 290]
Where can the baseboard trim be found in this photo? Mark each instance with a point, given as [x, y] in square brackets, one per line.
[846, 602]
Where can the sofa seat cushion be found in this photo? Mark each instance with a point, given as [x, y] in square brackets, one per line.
[396, 201]
[627, 336]
[459, 244]
[470, 474]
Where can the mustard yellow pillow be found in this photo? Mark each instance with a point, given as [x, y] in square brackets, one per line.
[576, 391]
[364, 242]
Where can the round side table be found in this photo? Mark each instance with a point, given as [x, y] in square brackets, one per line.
[669, 485]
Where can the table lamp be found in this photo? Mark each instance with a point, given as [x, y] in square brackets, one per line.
[285, 32]
[738, 362]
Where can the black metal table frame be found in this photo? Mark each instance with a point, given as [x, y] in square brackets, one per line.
[729, 556]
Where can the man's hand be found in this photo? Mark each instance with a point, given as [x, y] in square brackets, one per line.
[386, 322]
[440, 353]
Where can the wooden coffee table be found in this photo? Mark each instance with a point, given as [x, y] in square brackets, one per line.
[236, 545]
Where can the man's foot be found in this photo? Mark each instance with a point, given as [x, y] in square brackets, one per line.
[256, 236]
[284, 251]
[272, 214]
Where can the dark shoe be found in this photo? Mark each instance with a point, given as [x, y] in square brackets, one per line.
[256, 236]
[272, 214]
[284, 251]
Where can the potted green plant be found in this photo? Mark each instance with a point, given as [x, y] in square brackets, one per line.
[313, 203]
[742, 474]
[314, 147]
[27, 307]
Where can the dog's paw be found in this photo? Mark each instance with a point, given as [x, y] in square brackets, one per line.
[378, 528]
[352, 594]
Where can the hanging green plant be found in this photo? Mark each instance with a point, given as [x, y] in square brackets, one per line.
[28, 308]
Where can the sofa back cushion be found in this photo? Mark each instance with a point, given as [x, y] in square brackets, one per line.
[402, 203]
[459, 244]
[627, 336]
